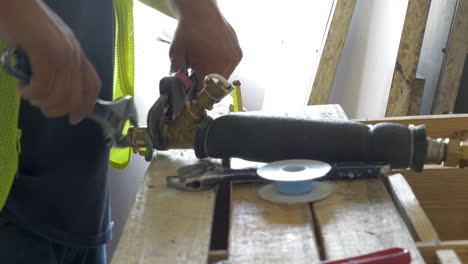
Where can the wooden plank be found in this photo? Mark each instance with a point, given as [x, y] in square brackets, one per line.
[331, 53]
[416, 97]
[447, 256]
[264, 232]
[166, 225]
[457, 48]
[412, 212]
[443, 195]
[436, 125]
[359, 218]
[428, 250]
[217, 256]
[408, 57]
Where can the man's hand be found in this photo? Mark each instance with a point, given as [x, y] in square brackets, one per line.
[203, 40]
[63, 80]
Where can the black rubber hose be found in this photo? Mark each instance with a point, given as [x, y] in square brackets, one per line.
[269, 138]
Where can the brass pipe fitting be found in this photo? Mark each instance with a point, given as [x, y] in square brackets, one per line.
[451, 152]
[435, 150]
[139, 139]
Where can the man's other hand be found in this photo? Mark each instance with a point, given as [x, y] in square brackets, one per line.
[63, 80]
[204, 40]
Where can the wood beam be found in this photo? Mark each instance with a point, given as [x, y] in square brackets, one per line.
[447, 256]
[436, 125]
[359, 217]
[410, 209]
[408, 57]
[331, 53]
[443, 195]
[429, 250]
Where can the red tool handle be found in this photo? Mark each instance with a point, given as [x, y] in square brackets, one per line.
[388, 256]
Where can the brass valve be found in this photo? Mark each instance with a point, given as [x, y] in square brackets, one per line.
[179, 133]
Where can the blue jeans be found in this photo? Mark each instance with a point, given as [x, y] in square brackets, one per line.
[18, 246]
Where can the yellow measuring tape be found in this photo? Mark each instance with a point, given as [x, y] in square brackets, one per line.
[237, 96]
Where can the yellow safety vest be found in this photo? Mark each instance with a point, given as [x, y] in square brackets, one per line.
[10, 100]
[124, 70]
[9, 132]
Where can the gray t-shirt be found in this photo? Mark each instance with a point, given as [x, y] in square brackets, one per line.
[62, 190]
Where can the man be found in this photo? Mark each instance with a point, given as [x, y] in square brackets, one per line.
[58, 207]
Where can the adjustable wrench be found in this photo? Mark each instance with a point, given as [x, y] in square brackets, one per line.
[206, 175]
[110, 116]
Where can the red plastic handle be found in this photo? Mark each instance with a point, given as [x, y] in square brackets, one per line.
[185, 79]
[388, 256]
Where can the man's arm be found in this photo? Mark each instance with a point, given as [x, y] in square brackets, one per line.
[63, 80]
[204, 39]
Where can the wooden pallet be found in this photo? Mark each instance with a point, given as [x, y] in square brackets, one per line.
[434, 203]
[424, 213]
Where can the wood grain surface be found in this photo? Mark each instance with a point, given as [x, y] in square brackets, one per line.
[429, 250]
[443, 195]
[265, 232]
[360, 218]
[166, 225]
[447, 256]
[412, 212]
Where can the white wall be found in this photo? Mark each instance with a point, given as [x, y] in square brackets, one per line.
[364, 75]
[280, 41]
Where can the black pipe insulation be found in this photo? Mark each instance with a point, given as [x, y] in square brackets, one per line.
[271, 138]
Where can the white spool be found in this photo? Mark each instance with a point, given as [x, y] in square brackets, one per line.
[292, 181]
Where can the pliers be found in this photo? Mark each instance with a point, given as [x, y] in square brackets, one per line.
[111, 116]
[206, 175]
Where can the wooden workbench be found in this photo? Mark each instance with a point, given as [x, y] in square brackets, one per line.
[361, 216]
